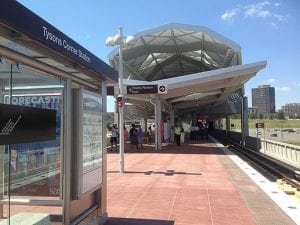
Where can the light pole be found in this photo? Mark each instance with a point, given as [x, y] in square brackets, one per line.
[118, 40]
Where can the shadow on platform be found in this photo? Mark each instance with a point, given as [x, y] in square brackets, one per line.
[127, 221]
[150, 172]
[190, 147]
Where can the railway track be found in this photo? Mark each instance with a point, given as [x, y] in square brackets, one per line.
[272, 168]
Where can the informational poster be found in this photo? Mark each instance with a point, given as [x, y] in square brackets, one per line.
[92, 142]
[30, 126]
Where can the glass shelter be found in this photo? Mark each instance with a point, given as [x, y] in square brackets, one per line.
[52, 136]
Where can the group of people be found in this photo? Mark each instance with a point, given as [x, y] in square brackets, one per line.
[199, 131]
[134, 136]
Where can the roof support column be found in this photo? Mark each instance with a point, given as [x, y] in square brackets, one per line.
[103, 190]
[116, 114]
[244, 119]
[145, 125]
[157, 106]
[227, 124]
[172, 124]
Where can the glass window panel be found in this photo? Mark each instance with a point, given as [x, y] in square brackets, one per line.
[4, 160]
[178, 32]
[31, 171]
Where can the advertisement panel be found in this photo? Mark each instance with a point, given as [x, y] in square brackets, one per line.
[31, 131]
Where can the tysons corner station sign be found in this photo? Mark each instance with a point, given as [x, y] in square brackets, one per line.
[63, 43]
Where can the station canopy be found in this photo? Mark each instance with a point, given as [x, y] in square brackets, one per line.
[200, 67]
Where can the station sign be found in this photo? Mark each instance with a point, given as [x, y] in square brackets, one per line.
[142, 89]
[259, 125]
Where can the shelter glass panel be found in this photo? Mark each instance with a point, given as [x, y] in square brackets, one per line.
[31, 140]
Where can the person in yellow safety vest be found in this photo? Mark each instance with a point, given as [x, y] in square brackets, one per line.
[177, 132]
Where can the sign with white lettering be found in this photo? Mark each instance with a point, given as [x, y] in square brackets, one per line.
[18, 18]
[37, 101]
[19, 124]
[66, 44]
[142, 89]
[259, 125]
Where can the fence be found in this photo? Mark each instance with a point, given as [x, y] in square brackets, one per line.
[287, 153]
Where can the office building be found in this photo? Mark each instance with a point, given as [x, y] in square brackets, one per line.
[291, 110]
[252, 110]
[263, 98]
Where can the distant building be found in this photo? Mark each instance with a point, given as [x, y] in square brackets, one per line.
[263, 98]
[252, 110]
[291, 109]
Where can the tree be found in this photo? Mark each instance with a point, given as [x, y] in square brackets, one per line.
[253, 115]
[280, 114]
[261, 115]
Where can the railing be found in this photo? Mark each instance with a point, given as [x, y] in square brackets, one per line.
[286, 153]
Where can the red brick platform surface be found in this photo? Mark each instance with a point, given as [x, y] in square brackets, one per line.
[188, 185]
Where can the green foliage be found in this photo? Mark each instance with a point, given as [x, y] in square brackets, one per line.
[261, 115]
[280, 115]
[253, 115]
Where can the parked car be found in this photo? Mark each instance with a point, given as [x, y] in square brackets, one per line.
[273, 135]
[288, 130]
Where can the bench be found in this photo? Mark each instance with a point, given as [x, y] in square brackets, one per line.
[28, 219]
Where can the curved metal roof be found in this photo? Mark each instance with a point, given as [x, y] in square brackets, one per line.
[173, 50]
[200, 67]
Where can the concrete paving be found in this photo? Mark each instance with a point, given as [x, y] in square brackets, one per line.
[193, 184]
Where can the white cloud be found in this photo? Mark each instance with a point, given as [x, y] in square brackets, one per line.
[277, 4]
[283, 89]
[229, 15]
[270, 81]
[273, 25]
[262, 10]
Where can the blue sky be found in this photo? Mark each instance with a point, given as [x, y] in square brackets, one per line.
[266, 30]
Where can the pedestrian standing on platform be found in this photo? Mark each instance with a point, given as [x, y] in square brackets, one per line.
[149, 135]
[177, 133]
[126, 136]
[114, 137]
[133, 136]
[140, 137]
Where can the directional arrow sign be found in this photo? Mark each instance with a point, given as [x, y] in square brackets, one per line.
[162, 89]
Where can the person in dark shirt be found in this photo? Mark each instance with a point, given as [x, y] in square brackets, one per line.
[133, 136]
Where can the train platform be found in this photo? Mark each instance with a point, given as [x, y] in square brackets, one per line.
[192, 184]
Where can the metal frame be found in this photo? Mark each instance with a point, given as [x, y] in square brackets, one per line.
[66, 171]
